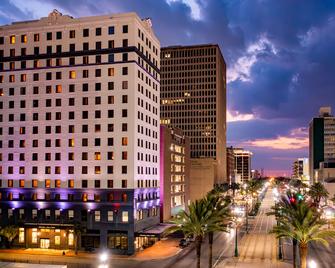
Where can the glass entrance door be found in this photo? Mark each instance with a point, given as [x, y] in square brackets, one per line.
[44, 243]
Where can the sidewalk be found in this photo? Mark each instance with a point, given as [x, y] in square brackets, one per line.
[160, 250]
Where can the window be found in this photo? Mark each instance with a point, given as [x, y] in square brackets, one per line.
[124, 183]
[49, 36]
[111, 30]
[57, 240]
[125, 29]
[72, 74]
[110, 215]
[84, 183]
[110, 169]
[110, 155]
[86, 32]
[124, 216]
[125, 42]
[12, 39]
[124, 141]
[36, 37]
[110, 71]
[97, 215]
[96, 183]
[72, 34]
[34, 233]
[70, 183]
[111, 58]
[124, 84]
[71, 238]
[110, 185]
[21, 183]
[97, 170]
[124, 70]
[21, 235]
[97, 31]
[124, 155]
[57, 183]
[58, 35]
[70, 214]
[124, 112]
[34, 183]
[124, 169]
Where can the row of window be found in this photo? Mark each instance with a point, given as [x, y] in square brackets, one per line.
[58, 214]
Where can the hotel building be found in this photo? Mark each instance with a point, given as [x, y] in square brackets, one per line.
[193, 98]
[79, 131]
[175, 172]
[301, 169]
[322, 146]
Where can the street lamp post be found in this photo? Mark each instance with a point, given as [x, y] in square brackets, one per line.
[236, 247]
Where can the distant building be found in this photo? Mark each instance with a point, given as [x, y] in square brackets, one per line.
[230, 164]
[175, 171]
[193, 98]
[322, 146]
[242, 165]
[300, 169]
[255, 174]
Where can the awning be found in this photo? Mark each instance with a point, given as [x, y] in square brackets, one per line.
[156, 230]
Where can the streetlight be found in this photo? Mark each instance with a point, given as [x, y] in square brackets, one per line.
[312, 264]
[103, 259]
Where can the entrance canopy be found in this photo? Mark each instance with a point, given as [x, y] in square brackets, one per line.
[156, 230]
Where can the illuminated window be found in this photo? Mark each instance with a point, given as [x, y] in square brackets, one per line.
[72, 74]
[97, 215]
[97, 156]
[71, 238]
[12, 39]
[70, 184]
[71, 142]
[124, 216]
[21, 170]
[97, 170]
[34, 183]
[57, 183]
[34, 236]
[110, 71]
[57, 240]
[110, 215]
[21, 235]
[124, 141]
[124, 155]
[84, 197]
[58, 88]
[10, 183]
[70, 214]
[47, 183]
[21, 183]
[12, 78]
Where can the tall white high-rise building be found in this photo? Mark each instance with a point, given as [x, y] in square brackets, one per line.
[79, 130]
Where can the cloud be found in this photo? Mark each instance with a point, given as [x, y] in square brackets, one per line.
[241, 69]
[236, 116]
[298, 139]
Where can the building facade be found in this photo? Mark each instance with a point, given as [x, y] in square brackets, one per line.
[193, 98]
[242, 165]
[175, 172]
[230, 164]
[321, 143]
[301, 169]
[79, 122]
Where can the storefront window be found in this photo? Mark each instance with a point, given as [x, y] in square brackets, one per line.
[57, 240]
[34, 236]
[21, 235]
[118, 241]
[71, 238]
[124, 216]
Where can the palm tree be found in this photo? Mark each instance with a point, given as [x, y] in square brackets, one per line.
[317, 192]
[77, 230]
[219, 221]
[234, 186]
[194, 223]
[252, 188]
[10, 232]
[302, 223]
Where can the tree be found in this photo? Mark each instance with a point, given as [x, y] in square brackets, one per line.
[302, 223]
[219, 219]
[317, 192]
[252, 188]
[234, 186]
[195, 223]
[10, 232]
[77, 230]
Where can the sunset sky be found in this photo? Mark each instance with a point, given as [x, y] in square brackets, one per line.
[280, 56]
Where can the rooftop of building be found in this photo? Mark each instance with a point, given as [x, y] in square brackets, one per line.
[56, 18]
[176, 47]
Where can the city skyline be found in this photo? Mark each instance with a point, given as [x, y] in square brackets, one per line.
[272, 67]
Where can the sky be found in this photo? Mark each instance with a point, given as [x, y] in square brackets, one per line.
[280, 56]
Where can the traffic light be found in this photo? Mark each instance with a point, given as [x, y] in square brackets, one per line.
[292, 200]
